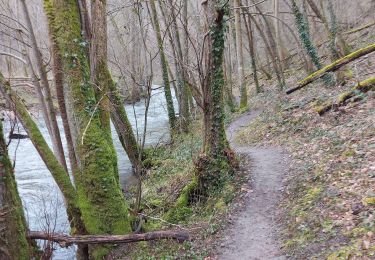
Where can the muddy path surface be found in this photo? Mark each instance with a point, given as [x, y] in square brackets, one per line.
[253, 232]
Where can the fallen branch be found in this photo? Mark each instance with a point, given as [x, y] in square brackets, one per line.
[361, 87]
[360, 28]
[333, 67]
[66, 240]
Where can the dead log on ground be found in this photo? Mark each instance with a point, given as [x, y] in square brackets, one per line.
[67, 240]
[361, 87]
[333, 67]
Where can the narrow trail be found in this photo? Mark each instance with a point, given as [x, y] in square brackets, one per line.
[253, 234]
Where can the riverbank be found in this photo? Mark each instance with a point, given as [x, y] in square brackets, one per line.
[171, 168]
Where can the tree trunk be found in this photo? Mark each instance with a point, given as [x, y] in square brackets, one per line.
[58, 172]
[217, 159]
[58, 75]
[184, 112]
[333, 67]
[273, 49]
[240, 62]
[55, 132]
[250, 37]
[65, 240]
[303, 29]
[164, 67]
[97, 183]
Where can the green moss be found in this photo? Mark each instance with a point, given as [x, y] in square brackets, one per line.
[181, 210]
[59, 174]
[352, 251]
[344, 96]
[103, 207]
[349, 153]
[348, 74]
[164, 67]
[14, 243]
[370, 201]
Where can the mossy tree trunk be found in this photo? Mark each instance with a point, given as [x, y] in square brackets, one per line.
[50, 118]
[103, 207]
[333, 67]
[181, 74]
[58, 172]
[111, 105]
[164, 67]
[13, 241]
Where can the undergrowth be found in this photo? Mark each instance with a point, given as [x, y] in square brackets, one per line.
[170, 172]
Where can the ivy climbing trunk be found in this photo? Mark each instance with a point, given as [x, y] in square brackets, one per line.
[216, 161]
[164, 67]
[104, 210]
[304, 33]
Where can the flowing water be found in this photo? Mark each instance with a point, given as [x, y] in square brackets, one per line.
[42, 200]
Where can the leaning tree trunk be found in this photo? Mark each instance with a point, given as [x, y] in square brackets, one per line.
[55, 132]
[57, 171]
[13, 241]
[274, 53]
[164, 67]
[97, 185]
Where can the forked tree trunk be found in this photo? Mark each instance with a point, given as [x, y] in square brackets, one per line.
[273, 48]
[97, 184]
[184, 107]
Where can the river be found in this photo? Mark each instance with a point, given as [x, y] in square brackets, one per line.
[42, 200]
